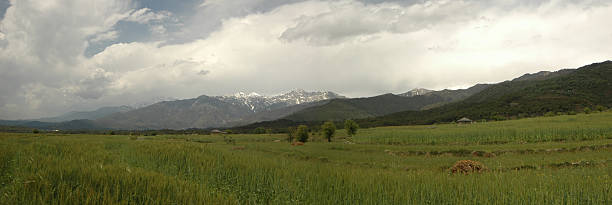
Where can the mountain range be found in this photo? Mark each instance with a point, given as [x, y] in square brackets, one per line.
[537, 94]
[86, 115]
[566, 90]
[216, 111]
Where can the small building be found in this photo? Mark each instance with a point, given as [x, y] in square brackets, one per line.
[464, 120]
[217, 132]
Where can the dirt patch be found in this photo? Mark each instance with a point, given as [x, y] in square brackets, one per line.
[479, 153]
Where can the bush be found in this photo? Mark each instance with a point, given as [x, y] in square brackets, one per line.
[351, 127]
[600, 108]
[35, 131]
[291, 131]
[229, 140]
[587, 110]
[302, 133]
[260, 130]
[329, 129]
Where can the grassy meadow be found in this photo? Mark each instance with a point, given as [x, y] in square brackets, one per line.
[548, 160]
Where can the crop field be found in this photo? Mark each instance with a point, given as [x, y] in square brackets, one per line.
[547, 160]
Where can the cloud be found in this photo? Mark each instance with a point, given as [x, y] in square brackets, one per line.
[344, 20]
[204, 72]
[42, 53]
[356, 48]
[420, 47]
[94, 86]
[146, 15]
[107, 36]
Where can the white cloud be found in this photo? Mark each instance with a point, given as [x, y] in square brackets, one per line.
[43, 51]
[343, 20]
[146, 15]
[159, 30]
[346, 46]
[106, 36]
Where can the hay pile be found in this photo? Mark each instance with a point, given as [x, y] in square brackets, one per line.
[467, 167]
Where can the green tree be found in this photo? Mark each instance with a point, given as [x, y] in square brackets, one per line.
[329, 129]
[260, 130]
[291, 134]
[600, 108]
[302, 133]
[351, 127]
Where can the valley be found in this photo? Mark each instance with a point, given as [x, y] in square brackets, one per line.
[545, 160]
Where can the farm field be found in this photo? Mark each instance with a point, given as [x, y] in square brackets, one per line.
[547, 160]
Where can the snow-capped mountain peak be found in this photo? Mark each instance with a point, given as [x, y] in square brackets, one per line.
[416, 92]
[245, 95]
[257, 102]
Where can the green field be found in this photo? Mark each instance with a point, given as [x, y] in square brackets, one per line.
[548, 160]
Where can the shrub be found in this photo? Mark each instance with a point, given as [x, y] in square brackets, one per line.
[467, 167]
[229, 140]
[329, 129]
[302, 133]
[600, 108]
[35, 131]
[291, 131]
[351, 127]
[260, 130]
[587, 110]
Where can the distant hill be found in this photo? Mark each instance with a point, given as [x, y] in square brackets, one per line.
[68, 125]
[86, 115]
[564, 91]
[216, 111]
[339, 109]
[357, 108]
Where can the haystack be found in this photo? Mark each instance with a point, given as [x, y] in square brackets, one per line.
[467, 167]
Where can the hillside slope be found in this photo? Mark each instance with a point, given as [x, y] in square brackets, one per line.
[215, 111]
[357, 108]
[86, 115]
[563, 91]
[203, 111]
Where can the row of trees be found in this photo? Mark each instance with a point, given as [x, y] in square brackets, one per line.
[328, 128]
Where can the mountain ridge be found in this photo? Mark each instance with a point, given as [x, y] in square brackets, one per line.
[211, 111]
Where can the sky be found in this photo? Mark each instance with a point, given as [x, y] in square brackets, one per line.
[65, 55]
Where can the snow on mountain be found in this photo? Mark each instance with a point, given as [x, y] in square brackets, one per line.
[416, 92]
[257, 102]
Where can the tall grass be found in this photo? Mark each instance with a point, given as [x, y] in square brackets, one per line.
[89, 169]
[547, 129]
